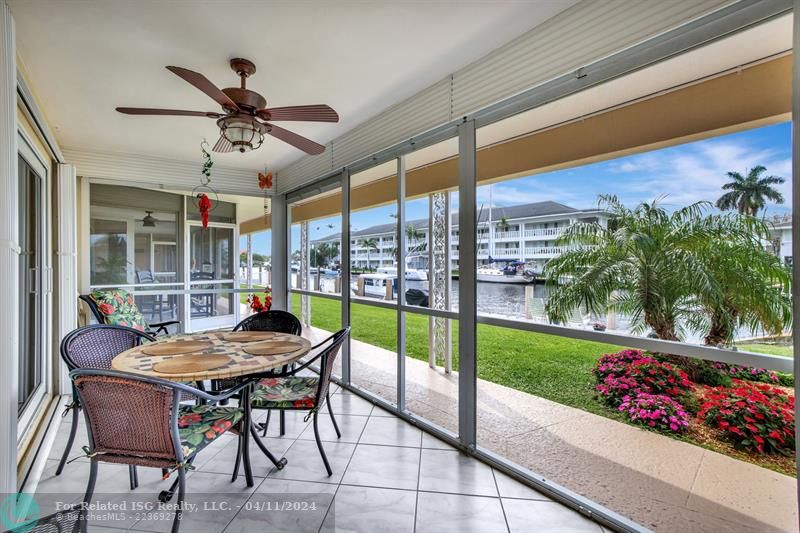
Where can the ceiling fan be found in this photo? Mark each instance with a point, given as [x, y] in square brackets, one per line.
[239, 124]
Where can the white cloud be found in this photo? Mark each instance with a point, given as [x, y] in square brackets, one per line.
[697, 171]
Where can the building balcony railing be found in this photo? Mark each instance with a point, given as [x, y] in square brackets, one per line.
[545, 251]
[506, 235]
[544, 232]
[506, 252]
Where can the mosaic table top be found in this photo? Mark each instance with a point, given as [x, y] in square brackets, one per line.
[241, 364]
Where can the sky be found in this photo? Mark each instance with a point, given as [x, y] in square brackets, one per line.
[681, 174]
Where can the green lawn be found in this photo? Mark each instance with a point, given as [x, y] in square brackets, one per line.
[784, 350]
[548, 366]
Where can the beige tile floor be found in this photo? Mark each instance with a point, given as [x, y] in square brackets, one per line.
[388, 477]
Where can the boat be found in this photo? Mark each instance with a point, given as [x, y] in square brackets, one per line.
[375, 283]
[509, 272]
[412, 274]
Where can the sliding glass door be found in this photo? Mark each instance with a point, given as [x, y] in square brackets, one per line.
[34, 282]
[212, 268]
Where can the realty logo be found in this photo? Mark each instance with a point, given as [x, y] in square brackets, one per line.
[19, 512]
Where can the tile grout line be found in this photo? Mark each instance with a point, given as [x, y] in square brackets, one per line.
[256, 488]
[419, 475]
[499, 497]
[339, 484]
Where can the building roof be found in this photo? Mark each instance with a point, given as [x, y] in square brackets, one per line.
[512, 212]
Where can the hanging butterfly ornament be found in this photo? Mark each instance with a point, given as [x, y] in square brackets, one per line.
[201, 195]
[265, 183]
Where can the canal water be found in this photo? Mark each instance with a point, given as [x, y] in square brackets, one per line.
[503, 298]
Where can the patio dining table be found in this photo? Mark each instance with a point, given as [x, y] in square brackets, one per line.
[240, 364]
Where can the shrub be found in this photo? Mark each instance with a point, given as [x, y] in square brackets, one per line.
[657, 411]
[616, 363]
[749, 373]
[698, 370]
[755, 417]
[659, 378]
[614, 388]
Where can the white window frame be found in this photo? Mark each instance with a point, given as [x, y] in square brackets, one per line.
[42, 394]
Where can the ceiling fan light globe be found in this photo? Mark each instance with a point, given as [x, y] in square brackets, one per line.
[243, 133]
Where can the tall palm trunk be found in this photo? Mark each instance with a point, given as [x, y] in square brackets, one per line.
[720, 331]
[662, 326]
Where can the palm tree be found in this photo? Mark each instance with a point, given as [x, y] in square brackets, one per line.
[326, 252]
[503, 224]
[370, 244]
[413, 236]
[749, 194]
[671, 271]
[756, 289]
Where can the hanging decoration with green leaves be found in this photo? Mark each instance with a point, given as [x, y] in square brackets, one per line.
[201, 195]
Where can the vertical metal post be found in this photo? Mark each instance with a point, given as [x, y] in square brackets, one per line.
[249, 260]
[345, 268]
[280, 253]
[9, 252]
[305, 264]
[432, 282]
[400, 243]
[467, 286]
[448, 280]
[796, 216]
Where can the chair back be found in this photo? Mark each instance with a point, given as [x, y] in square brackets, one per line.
[96, 345]
[115, 307]
[327, 359]
[145, 276]
[131, 419]
[280, 321]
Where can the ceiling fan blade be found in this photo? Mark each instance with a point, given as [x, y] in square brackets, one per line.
[178, 112]
[222, 145]
[306, 113]
[203, 83]
[298, 141]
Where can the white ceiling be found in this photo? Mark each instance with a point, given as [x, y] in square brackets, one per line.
[86, 57]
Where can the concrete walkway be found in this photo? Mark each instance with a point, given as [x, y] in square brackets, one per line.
[659, 482]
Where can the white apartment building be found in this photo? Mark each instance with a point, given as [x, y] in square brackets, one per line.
[526, 232]
[781, 230]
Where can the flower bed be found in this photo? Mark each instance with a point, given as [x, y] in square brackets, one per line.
[749, 373]
[657, 411]
[755, 417]
[616, 363]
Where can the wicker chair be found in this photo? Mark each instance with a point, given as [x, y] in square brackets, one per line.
[138, 420]
[277, 320]
[303, 393]
[94, 347]
[67, 520]
[131, 317]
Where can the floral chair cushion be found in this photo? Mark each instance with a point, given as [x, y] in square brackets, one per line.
[119, 308]
[294, 392]
[199, 425]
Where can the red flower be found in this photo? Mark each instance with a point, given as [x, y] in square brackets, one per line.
[188, 419]
[304, 402]
[106, 309]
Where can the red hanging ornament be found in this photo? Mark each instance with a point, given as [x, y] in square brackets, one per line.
[204, 204]
[265, 181]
